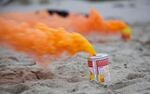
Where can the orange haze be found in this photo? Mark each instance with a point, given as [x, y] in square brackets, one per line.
[38, 39]
[75, 22]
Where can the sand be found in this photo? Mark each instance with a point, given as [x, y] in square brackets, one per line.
[129, 68]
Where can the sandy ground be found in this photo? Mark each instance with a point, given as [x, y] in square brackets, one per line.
[129, 68]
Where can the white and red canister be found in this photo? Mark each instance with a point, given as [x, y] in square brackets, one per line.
[98, 68]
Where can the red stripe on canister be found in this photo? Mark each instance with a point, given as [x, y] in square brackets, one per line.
[90, 63]
[99, 62]
[102, 62]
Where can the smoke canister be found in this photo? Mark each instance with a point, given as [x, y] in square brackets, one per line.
[98, 67]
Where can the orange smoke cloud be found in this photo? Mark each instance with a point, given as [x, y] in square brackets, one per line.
[40, 40]
[75, 22]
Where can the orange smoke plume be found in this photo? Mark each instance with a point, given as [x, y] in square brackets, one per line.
[40, 40]
[75, 22]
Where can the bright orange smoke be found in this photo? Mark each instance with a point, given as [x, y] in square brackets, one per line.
[40, 40]
[75, 22]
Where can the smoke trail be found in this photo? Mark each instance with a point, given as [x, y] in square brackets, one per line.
[76, 22]
[40, 40]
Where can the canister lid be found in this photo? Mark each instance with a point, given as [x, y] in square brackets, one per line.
[99, 56]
